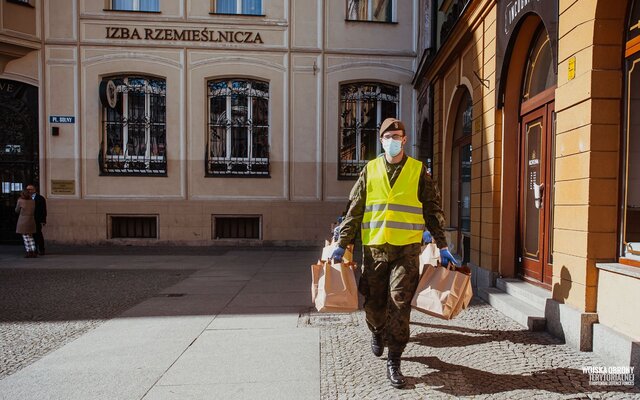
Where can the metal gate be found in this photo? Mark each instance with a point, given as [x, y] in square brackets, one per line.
[18, 150]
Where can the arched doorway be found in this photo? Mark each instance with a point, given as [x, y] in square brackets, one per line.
[18, 150]
[460, 198]
[527, 94]
[537, 122]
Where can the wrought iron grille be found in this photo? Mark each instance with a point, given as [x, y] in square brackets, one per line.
[238, 140]
[363, 107]
[134, 130]
[18, 150]
[236, 227]
[137, 227]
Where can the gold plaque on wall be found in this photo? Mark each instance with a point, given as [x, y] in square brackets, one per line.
[63, 187]
[572, 68]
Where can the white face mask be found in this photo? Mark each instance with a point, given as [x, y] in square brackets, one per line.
[392, 147]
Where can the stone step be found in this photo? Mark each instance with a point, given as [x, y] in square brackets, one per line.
[528, 293]
[523, 313]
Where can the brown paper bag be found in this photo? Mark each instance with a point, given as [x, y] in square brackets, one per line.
[442, 292]
[316, 271]
[336, 289]
[330, 247]
[430, 256]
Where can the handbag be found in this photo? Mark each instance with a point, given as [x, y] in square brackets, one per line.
[442, 292]
[334, 287]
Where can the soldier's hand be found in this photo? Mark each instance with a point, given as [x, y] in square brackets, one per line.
[426, 237]
[446, 257]
[337, 254]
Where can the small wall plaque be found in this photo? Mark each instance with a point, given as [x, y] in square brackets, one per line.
[572, 67]
[63, 187]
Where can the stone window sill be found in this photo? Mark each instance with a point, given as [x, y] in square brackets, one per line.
[622, 269]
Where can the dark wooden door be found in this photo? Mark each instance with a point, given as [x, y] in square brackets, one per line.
[536, 189]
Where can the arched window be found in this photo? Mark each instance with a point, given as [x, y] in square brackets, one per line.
[630, 230]
[539, 75]
[363, 107]
[461, 175]
[134, 137]
[238, 137]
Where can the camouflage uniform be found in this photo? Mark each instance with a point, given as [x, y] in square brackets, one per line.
[390, 273]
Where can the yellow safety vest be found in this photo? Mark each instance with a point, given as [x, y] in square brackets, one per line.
[392, 214]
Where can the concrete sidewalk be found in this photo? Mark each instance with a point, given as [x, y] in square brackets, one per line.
[212, 323]
[229, 330]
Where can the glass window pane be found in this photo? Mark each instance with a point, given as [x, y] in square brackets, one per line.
[533, 137]
[135, 136]
[540, 75]
[463, 123]
[357, 9]
[126, 5]
[632, 184]
[252, 7]
[149, 5]
[239, 142]
[363, 107]
[226, 6]
[382, 10]
[465, 188]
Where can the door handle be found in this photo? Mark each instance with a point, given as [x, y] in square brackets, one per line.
[538, 194]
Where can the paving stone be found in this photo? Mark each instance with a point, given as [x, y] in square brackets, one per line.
[42, 309]
[481, 354]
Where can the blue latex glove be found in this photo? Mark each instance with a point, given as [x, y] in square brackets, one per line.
[336, 233]
[426, 237]
[446, 257]
[337, 254]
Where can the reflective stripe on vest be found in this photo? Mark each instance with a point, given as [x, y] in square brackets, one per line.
[392, 214]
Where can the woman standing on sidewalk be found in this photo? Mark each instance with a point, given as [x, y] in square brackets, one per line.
[26, 222]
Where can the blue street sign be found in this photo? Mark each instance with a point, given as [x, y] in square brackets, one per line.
[59, 119]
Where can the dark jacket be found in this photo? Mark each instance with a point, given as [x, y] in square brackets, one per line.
[41, 209]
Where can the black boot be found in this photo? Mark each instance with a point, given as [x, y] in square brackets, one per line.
[377, 344]
[393, 370]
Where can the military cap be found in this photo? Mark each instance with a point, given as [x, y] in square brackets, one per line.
[391, 124]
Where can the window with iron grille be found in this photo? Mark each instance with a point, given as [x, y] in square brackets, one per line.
[134, 126]
[370, 10]
[236, 227]
[238, 139]
[244, 7]
[136, 5]
[363, 107]
[134, 227]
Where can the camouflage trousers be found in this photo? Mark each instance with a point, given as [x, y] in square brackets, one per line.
[389, 280]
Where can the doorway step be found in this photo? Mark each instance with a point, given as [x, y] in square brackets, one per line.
[518, 300]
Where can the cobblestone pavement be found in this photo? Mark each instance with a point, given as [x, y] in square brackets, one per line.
[43, 309]
[481, 354]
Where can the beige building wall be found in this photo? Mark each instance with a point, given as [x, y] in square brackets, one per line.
[586, 277]
[454, 73]
[308, 51]
[587, 147]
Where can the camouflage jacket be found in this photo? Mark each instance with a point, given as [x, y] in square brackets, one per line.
[428, 195]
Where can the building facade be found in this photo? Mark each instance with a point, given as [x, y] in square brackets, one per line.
[198, 122]
[527, 111]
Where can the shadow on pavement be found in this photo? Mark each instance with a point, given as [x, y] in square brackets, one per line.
[458, 380]
[470, 337]
[77, 294]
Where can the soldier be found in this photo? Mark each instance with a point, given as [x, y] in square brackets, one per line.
[391, 202]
